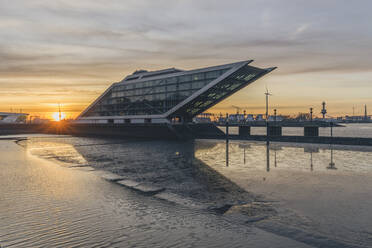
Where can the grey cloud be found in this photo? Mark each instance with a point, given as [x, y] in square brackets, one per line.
[98, 41]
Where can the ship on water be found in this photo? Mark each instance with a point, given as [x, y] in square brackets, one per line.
[147, 101]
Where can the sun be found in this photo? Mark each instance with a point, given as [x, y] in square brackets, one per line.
[56, 116]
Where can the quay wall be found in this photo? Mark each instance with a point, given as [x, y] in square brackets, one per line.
[163, 131]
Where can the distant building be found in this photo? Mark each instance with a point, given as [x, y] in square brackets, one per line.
[38, 120]
[259, 117]
[203, 118]
[170, 95]
[275, 118]
[357, 118]
[236, 118]
[250, 117]
[7, 117]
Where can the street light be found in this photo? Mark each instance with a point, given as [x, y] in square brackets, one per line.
[267, 115]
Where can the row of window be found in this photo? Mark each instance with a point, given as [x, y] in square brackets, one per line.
[207, 76]
[246, 77]
[124, 113]
[160, 89]
[218, 92]
[179, 95]
[130, 109]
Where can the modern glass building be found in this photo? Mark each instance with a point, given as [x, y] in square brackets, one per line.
[169, 95]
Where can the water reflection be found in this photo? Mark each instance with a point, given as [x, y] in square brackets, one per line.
[311, 150]
[197, 170]
[174, 166]
[283, 156]
[331, 165]
[227, 151]
[45, 205]
[326, 183]
[275, 147]
[245, 147]
[267, 157]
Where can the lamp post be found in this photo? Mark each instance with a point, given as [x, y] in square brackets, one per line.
[267, 94]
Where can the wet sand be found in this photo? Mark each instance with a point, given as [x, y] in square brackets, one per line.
[296, 195]
[44, 204]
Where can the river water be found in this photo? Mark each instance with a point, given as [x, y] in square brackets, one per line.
[53, 194]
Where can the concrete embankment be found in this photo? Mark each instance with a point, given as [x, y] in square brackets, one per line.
[8, 129]
[162, 131]
[159, 131]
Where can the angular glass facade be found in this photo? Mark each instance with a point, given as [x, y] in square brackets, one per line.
[171, 93]
[220, 91]
[151, 97]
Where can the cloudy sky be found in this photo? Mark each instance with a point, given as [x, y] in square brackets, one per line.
[70, 51]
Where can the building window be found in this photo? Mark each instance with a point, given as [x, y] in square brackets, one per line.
[186, 78]
[171, 87]
[185, 86]
[198, 76]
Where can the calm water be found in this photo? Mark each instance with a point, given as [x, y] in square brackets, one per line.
[43, 204]
[329, 187]
[284, 195]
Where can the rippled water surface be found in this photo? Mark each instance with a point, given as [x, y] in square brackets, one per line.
[331, 186]
[43, 204]
[284, 195]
